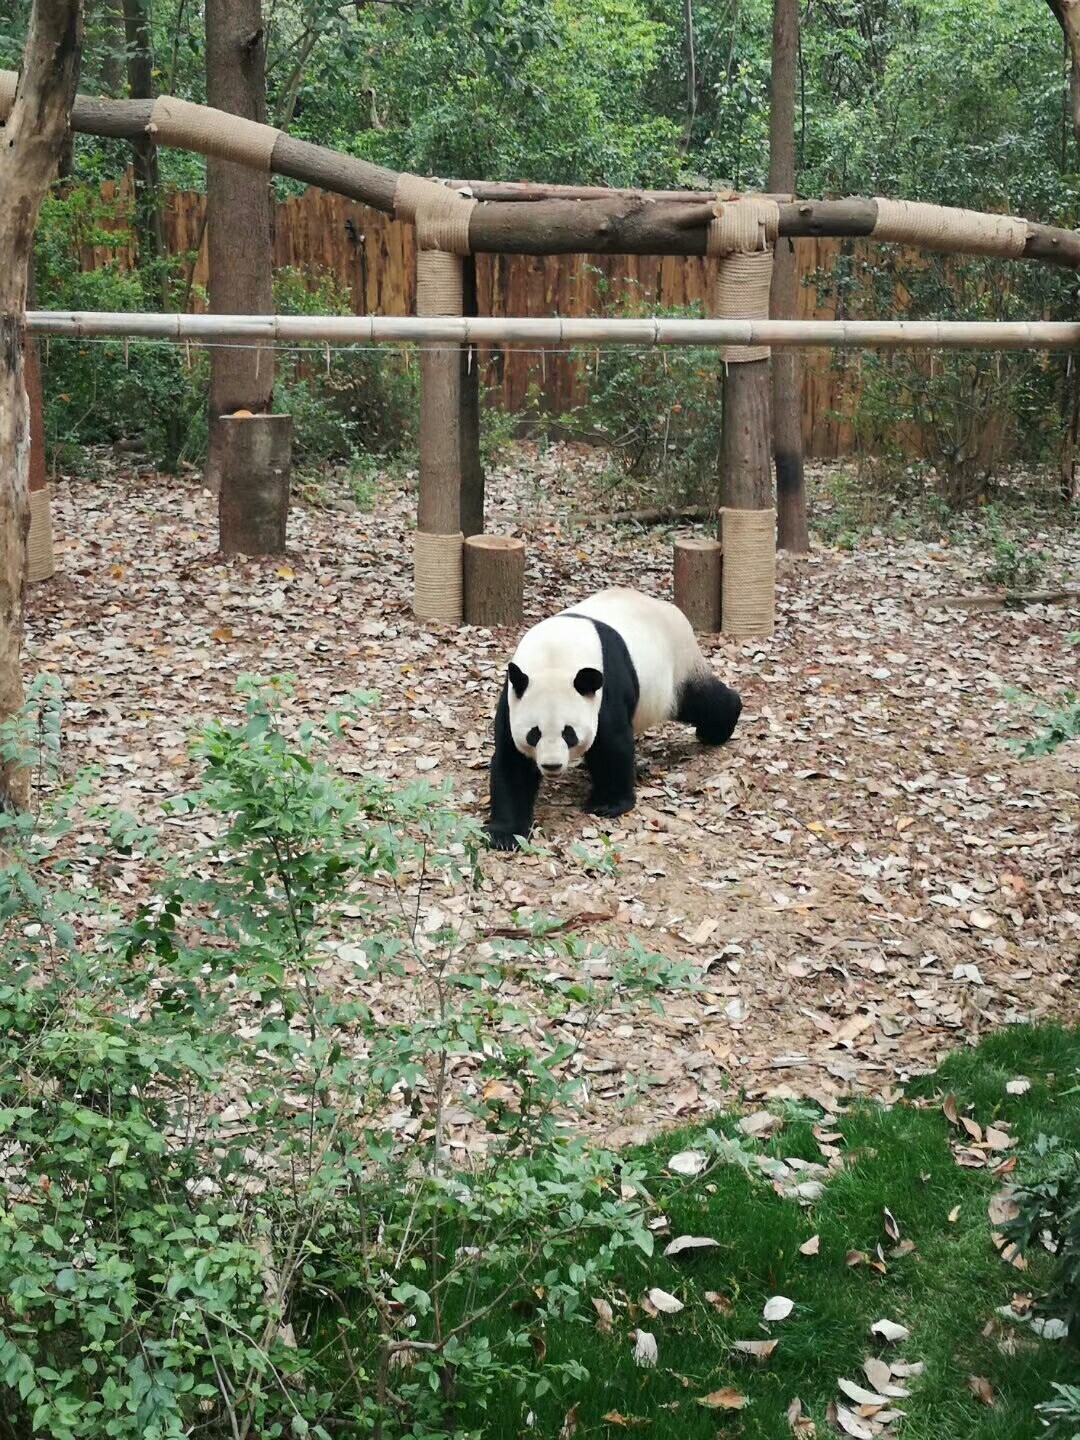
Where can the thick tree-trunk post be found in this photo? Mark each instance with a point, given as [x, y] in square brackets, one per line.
[40, 556]
[253, 508]
[442, 219]
[239, 209]
[494, 580]
[742, 236]
[697, 572]
[791, 527]
[36, 113]
[472, 469]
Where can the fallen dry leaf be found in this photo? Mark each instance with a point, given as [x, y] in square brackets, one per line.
[981, 1388]
[721, 1303]
[852, 1424]
[604, 1315]
[645, 1348]
[659, 1302]
[722, 1400]
[811, 1246]
[778, 1307]
[759, 1349]
[801, 1425]
[688, 1162]
[890, 1331]
[861, 1395]
[682, 1243]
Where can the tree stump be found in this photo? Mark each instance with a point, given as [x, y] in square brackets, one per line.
[253, 505]
[698, 569]
[494, 580]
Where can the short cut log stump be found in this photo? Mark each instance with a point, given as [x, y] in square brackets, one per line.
[494, 580]
[698, 570]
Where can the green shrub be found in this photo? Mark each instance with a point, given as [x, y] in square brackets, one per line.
[104, 390]
[949, 421]
[657, 412]
[234, 1200]
[358, 399]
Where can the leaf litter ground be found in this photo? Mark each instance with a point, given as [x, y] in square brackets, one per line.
[866, 877]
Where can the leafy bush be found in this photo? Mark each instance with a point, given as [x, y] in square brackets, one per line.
[105, 390]
[1048, 1197]
[359, 399]
[952, 421]
[657, 412]
[237, 1195]
[1060, 719]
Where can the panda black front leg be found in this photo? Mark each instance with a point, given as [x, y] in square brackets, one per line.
[610, 763]
[515, 781]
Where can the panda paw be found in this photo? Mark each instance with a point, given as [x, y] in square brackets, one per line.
[609, 809]
[501, 839]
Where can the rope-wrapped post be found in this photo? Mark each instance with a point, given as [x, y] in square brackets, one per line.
[472, 467]
[40, 556]
[696, 572]
[442, 238]
[742, 236]
[494, 580]
[748, 592]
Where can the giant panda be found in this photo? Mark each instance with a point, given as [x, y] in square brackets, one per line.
[581, 686]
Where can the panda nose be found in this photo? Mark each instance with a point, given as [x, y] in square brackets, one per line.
[551, 767]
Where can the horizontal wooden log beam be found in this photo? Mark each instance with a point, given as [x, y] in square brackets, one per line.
[499, 330]
[616, 222]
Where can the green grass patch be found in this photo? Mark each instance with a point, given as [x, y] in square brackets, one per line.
[945, 1290]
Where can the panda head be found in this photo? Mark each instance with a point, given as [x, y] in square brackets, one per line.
[554, 714]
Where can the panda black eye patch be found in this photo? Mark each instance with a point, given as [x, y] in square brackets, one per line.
[569, 735]
[533, 737]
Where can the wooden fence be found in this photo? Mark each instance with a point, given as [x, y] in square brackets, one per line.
[372, 256]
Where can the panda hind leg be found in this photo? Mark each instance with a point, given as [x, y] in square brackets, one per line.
[610, 763]
[712, 708]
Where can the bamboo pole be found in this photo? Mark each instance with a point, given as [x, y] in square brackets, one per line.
[485, 330]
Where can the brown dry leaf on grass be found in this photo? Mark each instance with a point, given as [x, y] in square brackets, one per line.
[835, 866]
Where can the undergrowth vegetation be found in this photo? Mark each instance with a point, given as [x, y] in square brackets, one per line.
[237, 1196]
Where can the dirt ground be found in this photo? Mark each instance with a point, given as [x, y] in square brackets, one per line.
[866, 876]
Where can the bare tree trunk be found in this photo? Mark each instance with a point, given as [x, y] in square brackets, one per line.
[239, 227]
[140, 73]
[33, 138]
[1067, 14]
[791, 526]
[691, 75]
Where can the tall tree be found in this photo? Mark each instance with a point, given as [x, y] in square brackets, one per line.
[1067, 14]
[140, 78]
[240, 214]
[791, 527]
[33, 138]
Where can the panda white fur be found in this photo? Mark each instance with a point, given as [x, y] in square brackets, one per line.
[581, 686]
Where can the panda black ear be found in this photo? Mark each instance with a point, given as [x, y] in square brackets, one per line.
[518, 679]
[588, 681]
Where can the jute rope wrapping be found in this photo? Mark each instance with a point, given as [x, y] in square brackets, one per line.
[212, 132]
[9, 80]
[437, 576]
[441, 217]
[749, 576]
[742, 235]
[40, 559]
[969, 232]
